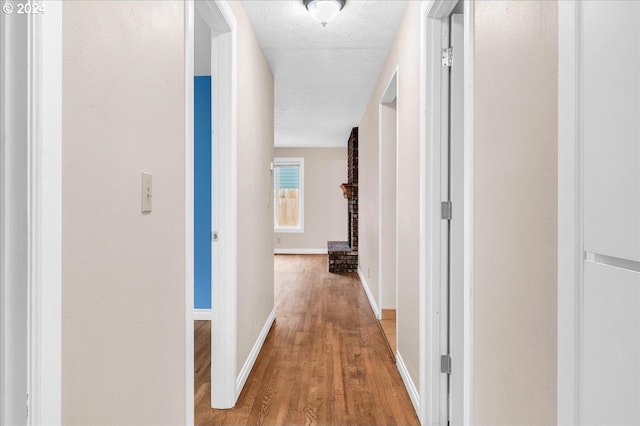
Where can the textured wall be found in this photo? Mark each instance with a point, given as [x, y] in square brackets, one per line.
[255, 186]
[325, 209]
[123, 272]
[405, 55]
[515, 213]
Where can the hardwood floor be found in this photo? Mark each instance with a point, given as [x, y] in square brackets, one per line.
[388, 324]
[325, 360]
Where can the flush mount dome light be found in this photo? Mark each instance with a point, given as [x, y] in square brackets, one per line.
[324, 11]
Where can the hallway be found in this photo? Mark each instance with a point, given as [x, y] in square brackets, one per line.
[325, 360]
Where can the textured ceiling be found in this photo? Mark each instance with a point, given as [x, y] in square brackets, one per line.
[323, 76]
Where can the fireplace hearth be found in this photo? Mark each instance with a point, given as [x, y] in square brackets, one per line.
[343, 255]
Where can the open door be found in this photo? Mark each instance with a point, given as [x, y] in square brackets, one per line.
[453, 222]
[221, 240]
[14, 267]
[446, 194]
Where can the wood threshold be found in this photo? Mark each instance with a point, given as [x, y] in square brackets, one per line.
[388, 314]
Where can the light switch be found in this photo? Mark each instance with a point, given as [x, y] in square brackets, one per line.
[147, 192]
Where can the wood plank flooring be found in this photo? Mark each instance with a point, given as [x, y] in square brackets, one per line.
[388, 324]
[325, 360]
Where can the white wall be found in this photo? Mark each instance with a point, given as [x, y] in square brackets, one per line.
[389, 145]
[405, 55]
[515, 205]
[123, 272]
[255, 187]
[515, 213]
[325, 209]
[123, 296]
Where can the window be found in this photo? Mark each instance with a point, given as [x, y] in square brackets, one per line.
[288, 190]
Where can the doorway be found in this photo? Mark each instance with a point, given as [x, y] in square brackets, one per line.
[30, 215]
[14, 191]
[221, 199]
[202, 163]
[452, 229]
[388, 208]
[446, 219]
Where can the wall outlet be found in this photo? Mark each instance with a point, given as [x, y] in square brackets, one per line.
[368, 272]
[278, 240]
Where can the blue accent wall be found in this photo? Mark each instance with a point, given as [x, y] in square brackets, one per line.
[202, 188]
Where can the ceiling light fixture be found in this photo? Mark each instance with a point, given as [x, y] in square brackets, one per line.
[324, 11]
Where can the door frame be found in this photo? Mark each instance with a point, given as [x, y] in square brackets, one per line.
[45, 213]
[570, 221]
[433, 398]
[390, 93]
[219, 17]
[44, 229]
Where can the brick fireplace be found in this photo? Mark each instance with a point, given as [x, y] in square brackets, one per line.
[343, 255]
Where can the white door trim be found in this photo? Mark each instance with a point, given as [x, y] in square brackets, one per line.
[44, 229]
[218, 15]
[3, 181]
[570, 244]
[46, 220]
[469, 120]
[433, 399]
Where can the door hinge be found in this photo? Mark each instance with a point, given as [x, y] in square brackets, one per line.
[447, 57]
[214, 236]
[445, 364]
[445, 210]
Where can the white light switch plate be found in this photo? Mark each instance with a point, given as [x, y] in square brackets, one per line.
[147, 192]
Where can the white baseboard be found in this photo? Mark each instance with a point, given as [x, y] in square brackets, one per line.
[372, 301]
[253, 355]
[300, 251]
[202, 315]
[408, 383]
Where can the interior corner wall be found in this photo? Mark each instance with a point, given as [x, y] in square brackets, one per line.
[325, 209]
[255, 134]
[515, 213]
[123, 272]
[405, 55]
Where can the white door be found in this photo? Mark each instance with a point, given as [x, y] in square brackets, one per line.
[611, 128]
[605, 370]
[13, 219]
[452, 229]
